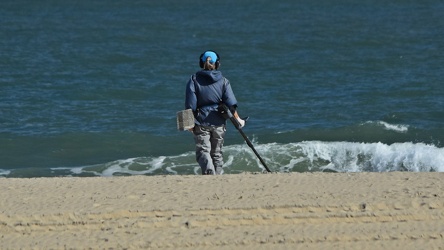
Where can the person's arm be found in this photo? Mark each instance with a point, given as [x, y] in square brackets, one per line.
[240, 120]
[190, 98]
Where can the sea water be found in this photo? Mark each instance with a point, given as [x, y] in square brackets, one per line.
[92, 88]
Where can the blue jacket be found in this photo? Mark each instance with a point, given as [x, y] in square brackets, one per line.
[205, 90]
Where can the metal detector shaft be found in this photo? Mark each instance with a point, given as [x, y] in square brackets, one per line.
[237, 125]
[249, 143]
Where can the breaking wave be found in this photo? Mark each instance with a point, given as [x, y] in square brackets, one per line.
[307, 156]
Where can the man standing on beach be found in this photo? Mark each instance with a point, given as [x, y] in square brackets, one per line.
[205, 90]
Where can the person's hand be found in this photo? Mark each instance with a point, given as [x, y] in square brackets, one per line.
[241, 121]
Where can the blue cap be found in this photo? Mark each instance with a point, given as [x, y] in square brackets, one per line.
[209, 54]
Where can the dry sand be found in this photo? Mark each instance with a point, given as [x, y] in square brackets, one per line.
[244, 211]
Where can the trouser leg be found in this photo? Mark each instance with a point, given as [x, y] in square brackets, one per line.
[202, 137]
[217, 141]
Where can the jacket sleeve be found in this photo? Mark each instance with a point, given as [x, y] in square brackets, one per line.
[228, 97]
[190, 96]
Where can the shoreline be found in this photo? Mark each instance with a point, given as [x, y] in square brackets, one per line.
[391, 210]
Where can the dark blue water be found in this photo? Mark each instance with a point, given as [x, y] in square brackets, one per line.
[92, 88]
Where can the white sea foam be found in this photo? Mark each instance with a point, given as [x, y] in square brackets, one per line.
[393, 127]
[300, 157]
[134, 166]
[345, 157]
[4, 172]
[364, 157]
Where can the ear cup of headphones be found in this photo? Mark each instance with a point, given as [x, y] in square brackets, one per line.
[217, 64]
[201, 64]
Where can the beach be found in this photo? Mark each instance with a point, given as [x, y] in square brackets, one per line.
[391, 210]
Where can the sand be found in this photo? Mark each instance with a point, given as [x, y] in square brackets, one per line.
[397, 210]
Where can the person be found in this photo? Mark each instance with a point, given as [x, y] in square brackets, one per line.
[205, 90]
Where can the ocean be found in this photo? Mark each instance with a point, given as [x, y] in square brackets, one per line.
[92, 88]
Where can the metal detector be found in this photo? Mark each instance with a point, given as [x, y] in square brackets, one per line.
[225, 111]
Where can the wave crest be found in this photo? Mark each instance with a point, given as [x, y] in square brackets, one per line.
[307, 156]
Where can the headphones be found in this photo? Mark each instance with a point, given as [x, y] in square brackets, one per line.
[217, 63]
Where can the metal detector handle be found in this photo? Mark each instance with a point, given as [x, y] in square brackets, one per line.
[225, 111]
